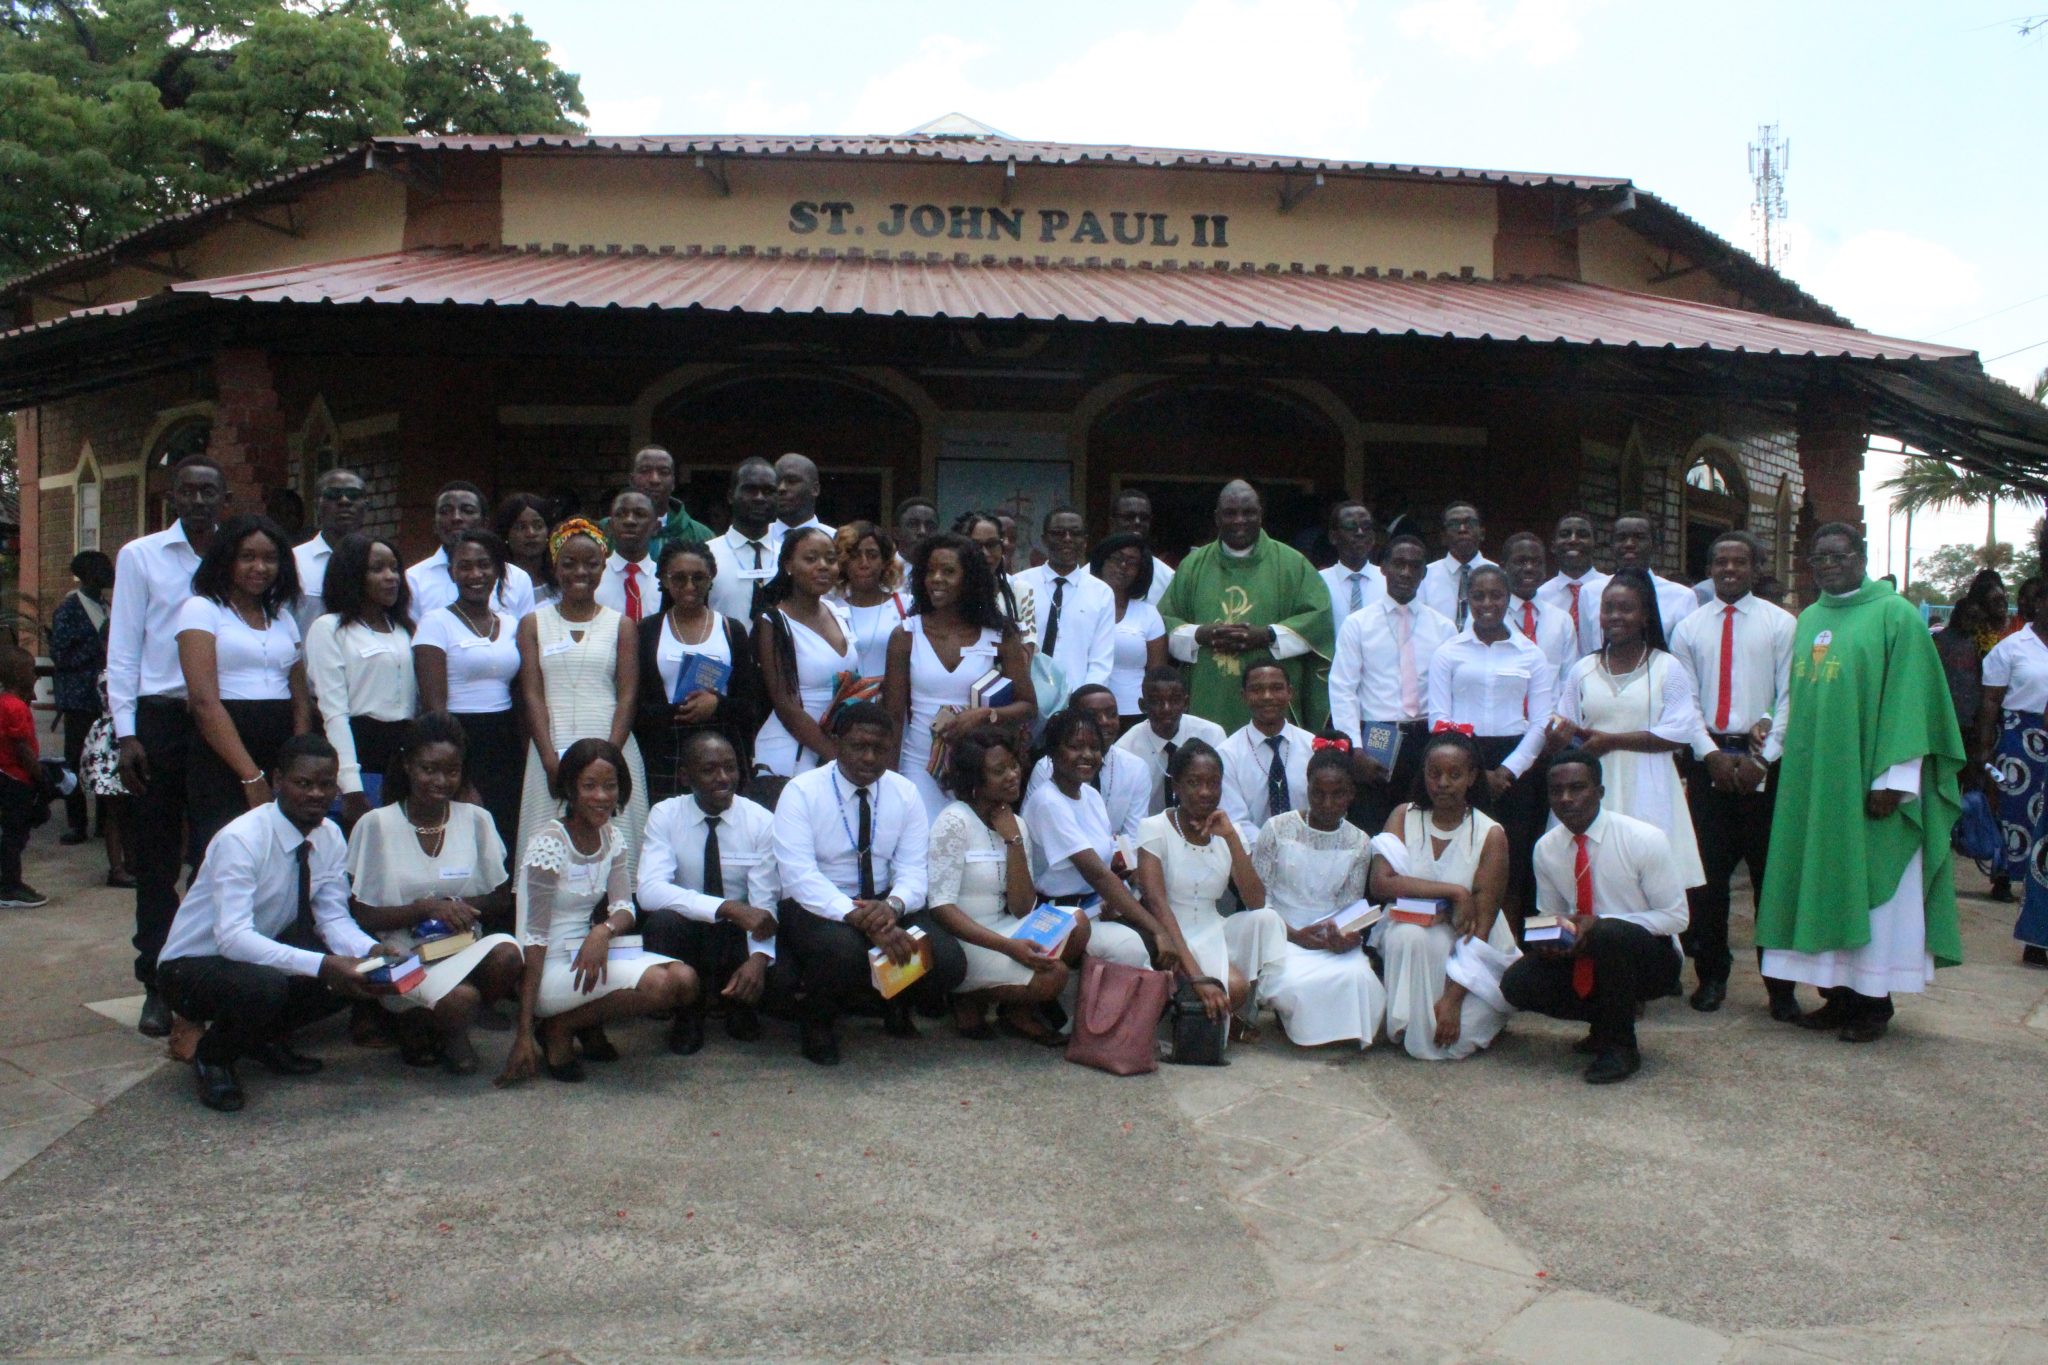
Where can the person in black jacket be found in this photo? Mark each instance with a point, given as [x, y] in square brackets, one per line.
[687, 626]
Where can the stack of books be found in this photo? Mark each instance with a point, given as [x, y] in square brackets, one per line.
[434, 940]
[893, 978]
[700, 673]
[1556, 931]
[1409, 910]
[389, 975]
[1355, 918]
[1048, 927]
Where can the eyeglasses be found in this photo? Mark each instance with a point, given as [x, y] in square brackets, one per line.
[1828, 561]
[343, 494]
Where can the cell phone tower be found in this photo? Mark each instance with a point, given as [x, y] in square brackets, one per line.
[1770, 156]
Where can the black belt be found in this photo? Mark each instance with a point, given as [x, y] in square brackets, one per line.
[178, 702]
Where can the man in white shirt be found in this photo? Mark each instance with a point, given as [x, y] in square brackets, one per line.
[1575, 590]
[1124, 781]
[1163, 698]
[629, 583]
[1265, 764]
[708, 891]
[1739, 652]
[746, 553]
[654, 473]
[850, 846]
[1076, 610]
[796, 496]
[1446, 588]
[1529, 616]
[1635, 547]
[1353, 580]
[339, 495]
[459, 507]
[263, 943]
[1379, 676]
[1132, 512]
[146, 689]
[1613, 877]
[917, 520]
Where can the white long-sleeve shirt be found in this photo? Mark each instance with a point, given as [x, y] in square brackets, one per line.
[152, 583]
[1144, 743]
[1634, 877]
[1501, 689]
[1553, 631]
[356, 671]
[1085, 648]
[672, 861]
[1582, 606]
[246, 893]
[1248, 761]
[1439, 589]
[1365, 669]
[817, 822]
[1760, 670]
[1371, 584]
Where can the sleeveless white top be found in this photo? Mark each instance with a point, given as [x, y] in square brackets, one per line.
[933, 685]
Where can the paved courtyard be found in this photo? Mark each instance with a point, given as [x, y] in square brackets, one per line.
[1757, 1194]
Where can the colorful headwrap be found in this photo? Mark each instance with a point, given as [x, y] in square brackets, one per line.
[576, 526]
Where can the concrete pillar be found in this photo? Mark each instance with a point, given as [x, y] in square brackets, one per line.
[1833, 434]
[28, 461]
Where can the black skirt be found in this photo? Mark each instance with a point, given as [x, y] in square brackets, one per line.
[214, 795]
[1522, 810]
[497, 768]
[377, 744]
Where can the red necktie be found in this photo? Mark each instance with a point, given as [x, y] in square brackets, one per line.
[1582, 873]
[1529, 619]
[1727, 669]
[632, 592]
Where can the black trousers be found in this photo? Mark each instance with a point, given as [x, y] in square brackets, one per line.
[1374, 802]
[829, 962]
[17, 820]
[157, 840]
[76, 724]
[714, 950]
[1522, 811]
[244, 1005]
[1630, 964]
[1732, 830]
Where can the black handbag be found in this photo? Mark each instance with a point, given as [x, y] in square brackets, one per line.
[1197, 1040]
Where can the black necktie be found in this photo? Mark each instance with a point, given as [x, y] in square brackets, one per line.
[714, 871]
[1276, 781]
[1172, 798]
[1052, 624]
[1464, 584]
[303, 933]
[866, 845]
[754, 602]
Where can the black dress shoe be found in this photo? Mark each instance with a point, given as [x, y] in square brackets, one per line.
[2030, 956]
[279, 1060]
[742, 1023]
[896, 1020]
[1614, 1064]
[1709, 996]
[686, 1034]
[1867, 1028]
[596, 1047]
[219, 1088]
[1835, 1014]
[1586, 1046]
[819, 1043]
[156, 1015]
[1785, 1005]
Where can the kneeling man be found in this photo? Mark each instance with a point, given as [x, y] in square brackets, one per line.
[1612, 875]
[263, 942]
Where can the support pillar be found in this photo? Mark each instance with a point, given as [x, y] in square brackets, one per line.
[1833, 435]
[248, 435]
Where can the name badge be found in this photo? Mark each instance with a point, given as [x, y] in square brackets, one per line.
[978, 652]
[738, 859]
[476, 642]
[558, 647]
[764, 572]
[456, 874]
[987, 855]
[371, 651]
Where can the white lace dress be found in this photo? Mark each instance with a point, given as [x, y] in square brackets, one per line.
[1197, 875]
[1414, 957]
[1657, 696]
[1321, 997]
[580, 678]
[557, 890]
[969, 868]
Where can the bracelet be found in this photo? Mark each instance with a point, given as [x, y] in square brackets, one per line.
[1014, 842]
[252, 781]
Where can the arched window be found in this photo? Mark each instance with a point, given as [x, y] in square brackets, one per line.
[1716, 500]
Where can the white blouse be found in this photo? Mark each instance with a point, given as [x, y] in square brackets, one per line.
[357, 671]
[251, 665]
[1500, 689]
[481, 668]
[670, 651]
[1129, 637]
[1060, 827]
[2019, 664]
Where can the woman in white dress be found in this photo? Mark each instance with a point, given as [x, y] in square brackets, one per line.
[1632, 706]
[870, 593]
[805, 647]
[1443, 850]
[980, 888]
[570, 983]
[1124, 564]
[359, 666]
[579, 678]
[428, 860]
[1187, 858]
[1313, 863]
[954, 617]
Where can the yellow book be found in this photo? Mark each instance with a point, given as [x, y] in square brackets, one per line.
[891, 978]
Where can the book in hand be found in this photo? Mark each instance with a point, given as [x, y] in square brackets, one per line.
[1409, 910]
[1382, 743]
[1356, 917]
[1555, 931]
[1047, 927]
[991, 689]
[892, 978]
[388, 975]
[434, 940]
[625, 947]
[700, 673]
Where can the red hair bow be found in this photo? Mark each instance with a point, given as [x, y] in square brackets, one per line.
[1339, 743]
[1447, 726]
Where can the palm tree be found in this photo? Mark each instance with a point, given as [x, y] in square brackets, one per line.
[1925, 483]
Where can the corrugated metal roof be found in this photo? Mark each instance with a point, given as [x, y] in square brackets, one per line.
[1025, 289]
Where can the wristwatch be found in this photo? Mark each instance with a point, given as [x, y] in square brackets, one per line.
[895, 903]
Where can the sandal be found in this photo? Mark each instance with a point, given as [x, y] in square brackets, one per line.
[571, 1070]
[596, 1047]
[458, 1055]
[1041, 1035]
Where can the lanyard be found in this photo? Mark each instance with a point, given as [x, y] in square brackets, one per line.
[839, 802]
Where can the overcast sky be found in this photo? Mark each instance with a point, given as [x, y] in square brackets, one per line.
[1917, 130]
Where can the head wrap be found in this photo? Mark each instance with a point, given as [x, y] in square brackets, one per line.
[576, 526]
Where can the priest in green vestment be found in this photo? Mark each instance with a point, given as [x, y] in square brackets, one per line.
[1859, 893]
[1244, 599]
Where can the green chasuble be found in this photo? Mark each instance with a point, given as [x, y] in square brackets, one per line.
[1273, 585]
[1867, 693]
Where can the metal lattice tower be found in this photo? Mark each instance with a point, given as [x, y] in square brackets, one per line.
[1770, 156]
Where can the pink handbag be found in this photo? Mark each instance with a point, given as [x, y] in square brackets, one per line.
[1116, 1017]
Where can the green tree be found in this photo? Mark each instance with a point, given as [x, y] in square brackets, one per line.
[1945, 574]
[116, 112]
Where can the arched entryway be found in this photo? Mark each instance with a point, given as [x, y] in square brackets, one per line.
[1716, 500]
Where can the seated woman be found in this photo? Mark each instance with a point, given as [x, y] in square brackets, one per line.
[571, 981]
[1312, 864]
[1073, 851]
[981, 887]
[427, 857]
[1187, 858]
[1451, 852]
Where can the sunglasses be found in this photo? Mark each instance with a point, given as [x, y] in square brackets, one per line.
[343, 494]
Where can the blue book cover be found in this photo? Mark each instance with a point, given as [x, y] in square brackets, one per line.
[991, 689]
[1382, 743]
[1047, 926]
[700, 673]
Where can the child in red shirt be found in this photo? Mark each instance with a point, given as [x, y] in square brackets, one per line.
[19, 786]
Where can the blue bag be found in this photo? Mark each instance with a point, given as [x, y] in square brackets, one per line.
[1976, 835]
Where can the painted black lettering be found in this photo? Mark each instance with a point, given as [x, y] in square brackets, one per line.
[836, 215]
[1222, 221]
[1051, 222]
[1160, 236]
[927, 220]
[803, 216]
[894, 227]
[1000, 222]
[1128, 236]
[1089, 229]
[1201, 230]
[966, 222]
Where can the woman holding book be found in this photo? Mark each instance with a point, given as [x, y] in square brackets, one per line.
[1124, 563]
[575, 977]
[804, 645]
[427, 868]
[957, 664]
[360, 666]
[689, 642]
[1313, 867]
[870, 579]
[1074, 858]
[1188, 857]
[980, 892]
[465, 657]
[1633, 706]
[1443, 850]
